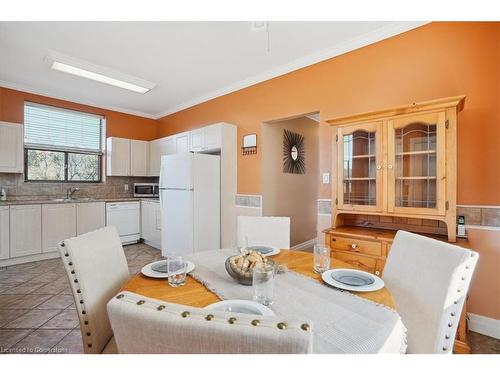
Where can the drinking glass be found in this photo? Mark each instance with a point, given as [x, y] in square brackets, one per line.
[321, 258]
[263, 284]
[176, 268]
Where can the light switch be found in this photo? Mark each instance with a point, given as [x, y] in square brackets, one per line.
[326, 178]
[125, 187]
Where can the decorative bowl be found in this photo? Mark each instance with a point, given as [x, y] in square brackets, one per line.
[244, 280]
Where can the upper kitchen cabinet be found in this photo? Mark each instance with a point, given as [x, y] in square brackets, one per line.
[182, 142]
[157, 148]
[117, 156]
[11, 147]
[208, 138]
[139, 158]
[398, 162]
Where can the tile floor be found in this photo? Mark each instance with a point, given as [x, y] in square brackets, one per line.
[37, 313]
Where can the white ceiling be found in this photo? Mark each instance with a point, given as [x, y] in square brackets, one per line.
[190, 62]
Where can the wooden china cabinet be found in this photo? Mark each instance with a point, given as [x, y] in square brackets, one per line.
[395, 169]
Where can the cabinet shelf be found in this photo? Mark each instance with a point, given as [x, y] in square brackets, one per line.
[417, 178]
[367, 156]
[360, 179]
[424, 152]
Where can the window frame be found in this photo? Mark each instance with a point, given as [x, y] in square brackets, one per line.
[66, 150]
[65, 180]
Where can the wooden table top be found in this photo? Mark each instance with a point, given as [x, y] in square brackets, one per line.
[195, 294]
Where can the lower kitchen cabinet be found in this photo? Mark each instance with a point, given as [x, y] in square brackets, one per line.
[25, 230]
[90, 216]
[58, 223]
[4, 233]
[151, 223]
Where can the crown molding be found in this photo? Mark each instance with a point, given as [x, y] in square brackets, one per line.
[47, 93]
[382, 33]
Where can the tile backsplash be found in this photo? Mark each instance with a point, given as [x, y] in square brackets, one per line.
[114, 187]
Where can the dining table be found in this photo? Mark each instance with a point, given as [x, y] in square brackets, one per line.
[344, 322]
[195, 294]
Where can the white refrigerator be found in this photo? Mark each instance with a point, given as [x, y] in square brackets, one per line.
[190, 203]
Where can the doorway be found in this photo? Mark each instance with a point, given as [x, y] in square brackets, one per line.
[290, 172]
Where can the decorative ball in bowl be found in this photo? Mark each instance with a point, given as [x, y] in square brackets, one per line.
[240, 267]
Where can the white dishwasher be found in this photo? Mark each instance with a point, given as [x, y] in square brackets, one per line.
[126, 217]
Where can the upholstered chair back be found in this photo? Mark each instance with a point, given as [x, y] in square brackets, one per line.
[264, 230]
[145, 325]
[429, 280]
[97, 269]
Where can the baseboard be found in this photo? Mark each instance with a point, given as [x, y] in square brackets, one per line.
[484, 325]
[304, 245]
[29, 258]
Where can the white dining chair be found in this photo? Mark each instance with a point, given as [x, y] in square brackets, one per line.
[97, 269]
[263, 230]
[144, 325]
[429, 280]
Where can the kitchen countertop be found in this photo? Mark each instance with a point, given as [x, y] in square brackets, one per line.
[16, 202]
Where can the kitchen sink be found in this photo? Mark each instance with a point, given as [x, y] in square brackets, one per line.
[76, 200]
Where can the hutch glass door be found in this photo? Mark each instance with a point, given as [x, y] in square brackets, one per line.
[416, 164]
[359, 165]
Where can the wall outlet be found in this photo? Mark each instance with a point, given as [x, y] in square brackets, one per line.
[326, 178]
[125, 187]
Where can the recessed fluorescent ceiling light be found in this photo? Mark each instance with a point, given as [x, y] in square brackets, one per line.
[67, 64]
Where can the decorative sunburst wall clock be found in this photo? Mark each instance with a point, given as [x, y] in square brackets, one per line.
[293, 153]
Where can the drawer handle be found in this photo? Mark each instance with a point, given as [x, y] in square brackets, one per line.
[355, 247]
[377, 272]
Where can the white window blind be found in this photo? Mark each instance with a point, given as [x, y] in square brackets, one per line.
[59, 129]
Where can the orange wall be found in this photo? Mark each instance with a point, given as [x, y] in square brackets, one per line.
[117, 124]
[484, 294]
[433, 61]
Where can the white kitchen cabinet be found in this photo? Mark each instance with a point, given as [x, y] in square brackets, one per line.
[208, 138]
[90, 216]
[58, 224]
[117, 156]
[4, 233]
[11, 147]
[139, 157]
[157, 148]
[197, 140]
[25, 230]
[151, 223]
[182, 142]
[213, 137]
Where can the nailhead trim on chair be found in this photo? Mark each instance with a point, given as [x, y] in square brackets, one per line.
[210, 317]
[79, 291]
[451, 324]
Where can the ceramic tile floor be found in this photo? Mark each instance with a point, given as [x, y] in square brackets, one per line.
[37, 313]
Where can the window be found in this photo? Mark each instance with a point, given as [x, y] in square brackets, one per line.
[61, 145]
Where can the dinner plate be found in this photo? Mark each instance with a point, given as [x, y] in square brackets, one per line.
[148, 270]
[242, 307]
[263, 249]
[353, 280]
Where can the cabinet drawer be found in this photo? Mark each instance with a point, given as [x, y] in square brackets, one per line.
[358, 261]
[356, 246]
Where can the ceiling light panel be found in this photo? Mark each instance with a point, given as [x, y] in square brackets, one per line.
[84, 69]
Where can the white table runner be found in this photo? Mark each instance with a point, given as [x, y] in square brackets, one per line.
[343, 322]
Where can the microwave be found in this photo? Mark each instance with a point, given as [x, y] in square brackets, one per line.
[146, 189]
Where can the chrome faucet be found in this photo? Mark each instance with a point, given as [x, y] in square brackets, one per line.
[70, 192]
